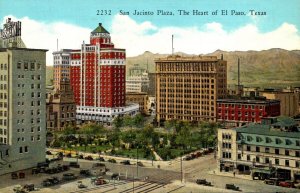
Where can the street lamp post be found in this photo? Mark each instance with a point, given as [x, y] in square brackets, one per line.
[137, 159]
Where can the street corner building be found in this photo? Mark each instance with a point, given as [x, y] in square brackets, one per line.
[187, 88]
[97, 76]
[267, 150]
[22, 102]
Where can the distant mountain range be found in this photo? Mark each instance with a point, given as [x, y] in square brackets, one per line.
[258, 68]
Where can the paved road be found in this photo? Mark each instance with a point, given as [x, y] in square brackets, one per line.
[194, 169]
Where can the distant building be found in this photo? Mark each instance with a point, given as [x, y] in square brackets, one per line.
[289, 101]
[22, 102]
[137, 83]
[270, 149]
[187, 88]
[61, 107]
[152, 84]
[237, 112]
[139, 98]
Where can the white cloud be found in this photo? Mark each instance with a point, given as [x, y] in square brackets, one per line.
[197, 40]
[40, 35]
[139, 37]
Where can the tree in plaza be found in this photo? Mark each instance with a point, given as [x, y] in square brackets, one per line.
[69, 129]
[138, 120]
[128, 121]
[118, 122]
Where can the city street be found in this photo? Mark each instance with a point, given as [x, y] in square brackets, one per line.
[167, 178]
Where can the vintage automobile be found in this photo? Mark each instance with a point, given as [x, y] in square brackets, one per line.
[287, 184]
[232, 187]
[100, 181]
[203, 182]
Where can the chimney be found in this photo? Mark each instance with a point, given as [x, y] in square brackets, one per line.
[100, 24]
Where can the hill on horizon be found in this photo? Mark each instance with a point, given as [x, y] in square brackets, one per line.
[261, 68]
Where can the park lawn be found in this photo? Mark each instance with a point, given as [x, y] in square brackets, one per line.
[91, 149]
[131, 153]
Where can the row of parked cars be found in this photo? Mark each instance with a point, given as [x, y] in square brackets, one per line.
[204, 182]
[281, 182]
[55, 180]
[198, 154]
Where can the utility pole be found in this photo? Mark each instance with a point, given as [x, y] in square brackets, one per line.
[181, 169]
[137, 159]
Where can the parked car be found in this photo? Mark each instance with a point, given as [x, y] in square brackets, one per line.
[232, 187]
[69, 176]
[68, 155]
[89, 158]
[48, 153]
[114, 176]
[187, 158]
[85, 172]
[80, 156]
[29, 187]
[140, 164]
[287, 184]
[100, 159]
[46, 183]
[54, 180]
[100, 181]
[112, 161]
[272, 181]
[203, 182]
[125, 162]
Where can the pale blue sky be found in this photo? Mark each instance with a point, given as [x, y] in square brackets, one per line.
[83, 12]
[71, 21]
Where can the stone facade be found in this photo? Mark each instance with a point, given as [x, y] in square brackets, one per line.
[61, 107]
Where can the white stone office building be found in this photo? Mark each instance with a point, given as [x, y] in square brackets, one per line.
[22, 108]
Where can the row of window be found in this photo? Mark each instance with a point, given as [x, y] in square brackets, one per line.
[267, 160]
[269, 140]
[29, 65]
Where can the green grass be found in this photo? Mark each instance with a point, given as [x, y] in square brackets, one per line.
[131, 153]
[91, 148]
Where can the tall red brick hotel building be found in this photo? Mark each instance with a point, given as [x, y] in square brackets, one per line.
[97, 76]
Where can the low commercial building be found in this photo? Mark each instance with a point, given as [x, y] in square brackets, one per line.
[140, 98]
[61, 107]
[237, 112]
[288, 101]
[270, 149]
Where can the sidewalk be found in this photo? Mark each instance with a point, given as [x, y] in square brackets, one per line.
[230, 174]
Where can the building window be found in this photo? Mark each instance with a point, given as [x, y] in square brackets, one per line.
[21, 150]
[19, 65]
[276, 161]
[26, 149]
[239, 156]
[268, 140]
[257, 149]
[287, 152]
[267, 160]
[248, 158]
[277, 151]
[297, 142]
[297, 153]
[257, 159]
[267, 150]
[287, 163]
[248, 148]
[297, 164]
[278, 141]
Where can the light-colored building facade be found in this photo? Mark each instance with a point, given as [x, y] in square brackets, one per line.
[61, 107]
[22, 108]
[288, 101]
[138, 98]
[187, 88]
[138, 83]
[265, 150]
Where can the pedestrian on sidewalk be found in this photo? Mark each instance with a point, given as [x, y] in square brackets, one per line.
[233, 174]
